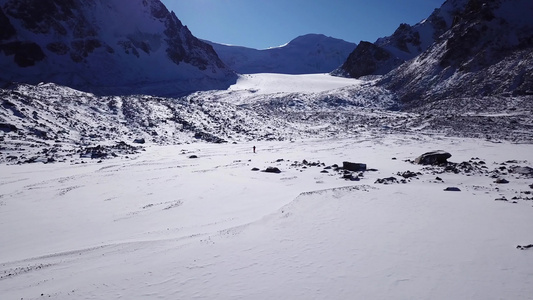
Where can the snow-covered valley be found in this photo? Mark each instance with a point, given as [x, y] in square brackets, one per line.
[87, 213]
[161, 224]
[136, 163]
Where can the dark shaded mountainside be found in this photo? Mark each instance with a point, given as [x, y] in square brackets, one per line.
[108, 46]
[465, 49]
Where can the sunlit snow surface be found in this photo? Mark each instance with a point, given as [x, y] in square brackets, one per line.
[162, 225]
[268, 83]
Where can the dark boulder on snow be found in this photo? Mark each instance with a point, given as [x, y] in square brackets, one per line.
[387, 180]
[452, 189]
[272, 170]
[408, 174]
[354, 167]
[519, 247]
[526, 171]
[433, 158]
[501, 181]
[8, 127]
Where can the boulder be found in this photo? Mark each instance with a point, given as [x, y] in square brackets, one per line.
[452, 189]
[524, 247]
[387, 180]
[433, 158]
[501, 181]
[272, 170]
[350, 176]
[525, 171]
[8, 127]
[408, 174]
[354, 167]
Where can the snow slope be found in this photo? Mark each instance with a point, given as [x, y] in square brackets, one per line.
[307, 54]
[269, 83]
[162, 225]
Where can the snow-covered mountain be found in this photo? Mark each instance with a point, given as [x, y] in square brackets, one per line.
[404, 44]
[467, 52]
[117, 46]
[307, 54]
[487, 52]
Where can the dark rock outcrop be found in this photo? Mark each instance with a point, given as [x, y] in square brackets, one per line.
[387, 180]
[6, 127]
[369, 59]
[408, 174]
[354, 167]
[272, 170]
[7, 30]
[525, 171]
[25, 54]
[433, 158]
[407, 42]
[501, 181]
[208, 137]
[519, 247]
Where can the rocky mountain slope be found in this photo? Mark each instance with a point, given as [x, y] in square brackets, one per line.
[488, 52]
[473, 81]
[307, 54]
[49, 123]
[111, 46]
[405, 43]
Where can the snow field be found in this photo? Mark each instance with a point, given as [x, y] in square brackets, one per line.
[163, 225]
[267, 83]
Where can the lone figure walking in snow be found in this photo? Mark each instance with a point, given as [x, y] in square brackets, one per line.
[254, 149]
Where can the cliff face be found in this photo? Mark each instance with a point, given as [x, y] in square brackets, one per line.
[369, 59]
[105, 45]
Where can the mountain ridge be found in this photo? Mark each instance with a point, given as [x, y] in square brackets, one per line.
[306, 54]
[486, 52]
[105, 46]
[407, 42]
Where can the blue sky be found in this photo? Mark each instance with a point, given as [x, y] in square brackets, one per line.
[268, 23]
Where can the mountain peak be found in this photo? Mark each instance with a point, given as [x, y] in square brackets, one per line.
[407, 42]
[487, 51]
[306, 54]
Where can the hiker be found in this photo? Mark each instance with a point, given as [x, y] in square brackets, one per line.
[254, 149]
